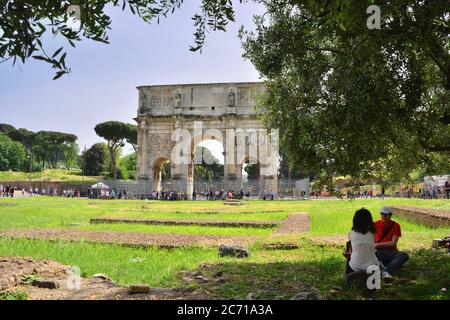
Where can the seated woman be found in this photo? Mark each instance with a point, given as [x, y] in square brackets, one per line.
[362, 240]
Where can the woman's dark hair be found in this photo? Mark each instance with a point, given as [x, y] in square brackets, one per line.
[362, 221]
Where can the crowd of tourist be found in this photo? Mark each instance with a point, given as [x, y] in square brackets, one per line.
[364, 194]
[110, 194]
[50, 191]
[231, 194]
[220, 194]
[427, 192]
[435, 192]
[71, 193]
[167, 195]
[213, 194]
[208, 195]
[7, 191]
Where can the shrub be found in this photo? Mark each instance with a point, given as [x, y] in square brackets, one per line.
[12, 154]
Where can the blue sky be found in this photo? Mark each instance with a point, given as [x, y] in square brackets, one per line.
[102, 84]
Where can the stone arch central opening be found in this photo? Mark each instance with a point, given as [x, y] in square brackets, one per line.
[162, 174]
[208, 168]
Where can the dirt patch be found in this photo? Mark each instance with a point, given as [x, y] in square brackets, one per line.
[7, 204]
[428, 211]
[233, 202]
[330, 241]
[131, 239]
[198, 222]
[208, 211]
[12, 270]
[232, 210]
[296, 222]
[426, 216]
[98, 287]
[279, 246]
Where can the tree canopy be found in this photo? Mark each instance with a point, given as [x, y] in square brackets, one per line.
[128, 164]
[132, 137]
[6, 128]
[50, 148]
[116, 133]
[12, 154]
[23, 24]
[252, 169]
[21, 135]
[347, 98]
[95, 159]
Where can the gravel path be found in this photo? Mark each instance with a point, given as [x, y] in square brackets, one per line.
[132, 239]
[296, 222]
[198, 222]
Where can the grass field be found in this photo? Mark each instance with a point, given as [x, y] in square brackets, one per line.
[270, 274]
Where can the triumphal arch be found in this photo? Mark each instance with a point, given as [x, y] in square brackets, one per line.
[174, 119]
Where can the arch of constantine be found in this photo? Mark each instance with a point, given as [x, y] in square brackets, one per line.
[174, 119]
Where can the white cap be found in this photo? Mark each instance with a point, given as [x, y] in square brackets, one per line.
[386, 209]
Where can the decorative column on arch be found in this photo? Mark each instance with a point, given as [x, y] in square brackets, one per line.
[232, 163]
[268, 151]
[143, 169]
[144, 173]
[156, 172]
[182, 169]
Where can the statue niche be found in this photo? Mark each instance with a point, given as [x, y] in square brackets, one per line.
[178, 100]
[231, 99]
[231, 103]
[143, 108]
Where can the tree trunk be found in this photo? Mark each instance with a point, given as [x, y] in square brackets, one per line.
[31, 167]
[113, 163]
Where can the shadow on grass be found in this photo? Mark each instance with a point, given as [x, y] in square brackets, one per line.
[424, 276]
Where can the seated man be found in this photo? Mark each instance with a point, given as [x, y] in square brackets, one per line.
[386, 238]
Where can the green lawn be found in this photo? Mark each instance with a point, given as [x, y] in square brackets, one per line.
[59, 212]
[270, 274]
[157, 267]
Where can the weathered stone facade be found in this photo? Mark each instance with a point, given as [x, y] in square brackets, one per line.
[220, 109]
